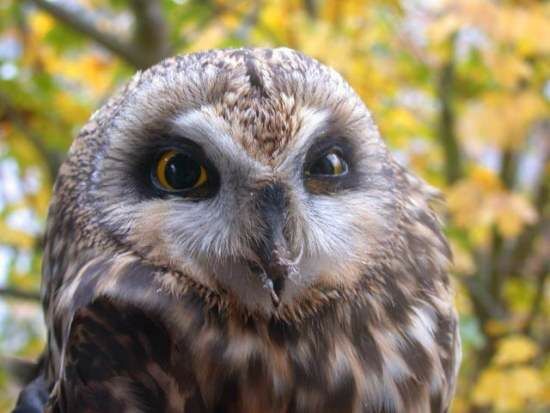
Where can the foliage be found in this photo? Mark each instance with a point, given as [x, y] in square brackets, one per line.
[460, 90]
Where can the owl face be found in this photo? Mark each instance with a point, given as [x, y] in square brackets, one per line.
[258, 173]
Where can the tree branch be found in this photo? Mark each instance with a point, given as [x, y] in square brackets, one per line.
[498, 256]
[485, 305]
[10, 292]
[311, 8]
[508, 169]
[447, 133]
[525, 241]
[22, 370]
[536, 305]
[86, 26]
[151, 35]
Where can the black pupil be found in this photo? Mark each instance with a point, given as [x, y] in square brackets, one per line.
[326, 165]
[182, 171]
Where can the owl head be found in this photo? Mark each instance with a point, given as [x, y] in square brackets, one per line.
[256, 173]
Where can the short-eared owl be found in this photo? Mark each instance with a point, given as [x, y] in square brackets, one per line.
[229, 233]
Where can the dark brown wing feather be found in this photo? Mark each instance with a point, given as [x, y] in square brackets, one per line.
[119, 359]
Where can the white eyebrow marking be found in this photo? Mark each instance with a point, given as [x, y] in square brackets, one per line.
[314, 121]
[204, 127]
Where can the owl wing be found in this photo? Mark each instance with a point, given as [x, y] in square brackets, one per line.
[109, 345]
[120, 358]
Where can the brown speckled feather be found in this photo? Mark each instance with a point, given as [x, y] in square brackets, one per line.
[151, 301]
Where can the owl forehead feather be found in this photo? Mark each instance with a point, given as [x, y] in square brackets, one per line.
[259, 93]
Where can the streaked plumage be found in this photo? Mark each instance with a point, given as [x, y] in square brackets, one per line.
[271, 290]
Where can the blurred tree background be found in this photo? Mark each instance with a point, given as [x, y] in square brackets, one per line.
[460, 89]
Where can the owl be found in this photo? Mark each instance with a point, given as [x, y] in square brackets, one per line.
[229, 233]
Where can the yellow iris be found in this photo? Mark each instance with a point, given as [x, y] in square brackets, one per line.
[194, 174]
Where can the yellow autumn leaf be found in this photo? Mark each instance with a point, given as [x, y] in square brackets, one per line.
[508, 390]
[41, 199]
[463, 200]
[519, 293]
[545, 371]
[404, 119]
[508, 69]
[479, 202]
[234, 11]
[97, 72]
[485, 179]
[93, 71]
[496, 327]
[500, 119]
[70, 109]
[441, 29]
[15, 238]
[515, 349]
[513, 212]
[25, 281]
[463, 262]
[209, 38]
[275, 16]
[332, 10]
[521, 25]
[460, 405]
[462, 300]
[524, 26]
[23, 148]
[314, 43]
[41, 23]
[469, 201]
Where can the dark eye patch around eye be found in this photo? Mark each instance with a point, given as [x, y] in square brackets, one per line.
[145, 159]
[317, 174]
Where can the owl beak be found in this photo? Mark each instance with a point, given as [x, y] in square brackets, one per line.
[271, 249]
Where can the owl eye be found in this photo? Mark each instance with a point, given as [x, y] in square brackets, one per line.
[329, 164]
[178, 171]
